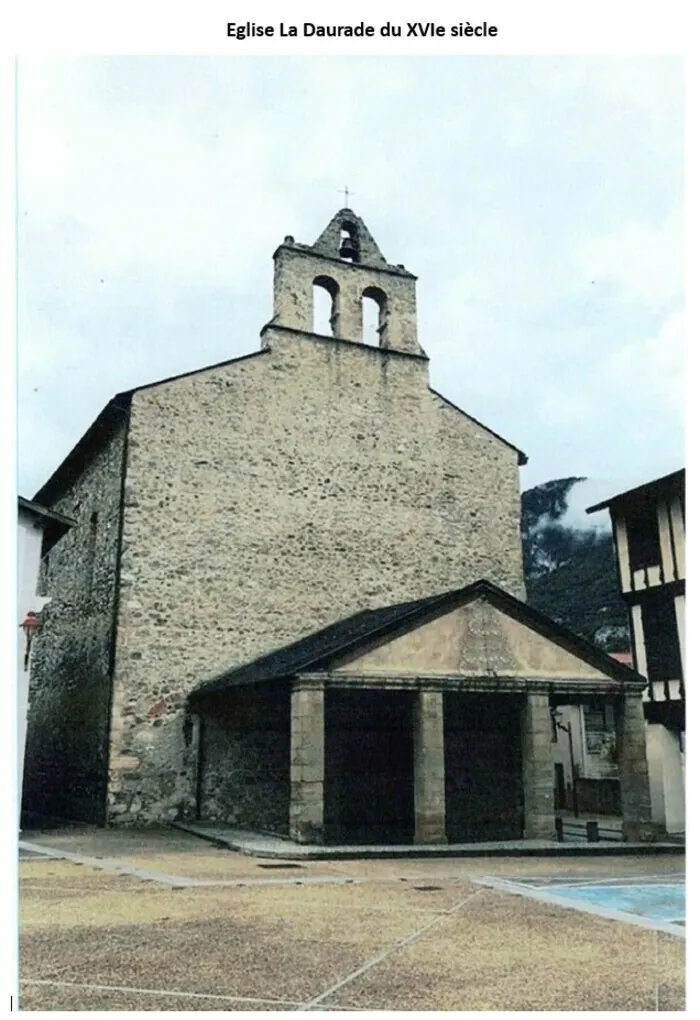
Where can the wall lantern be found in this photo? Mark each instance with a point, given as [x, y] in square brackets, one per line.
[29, 625]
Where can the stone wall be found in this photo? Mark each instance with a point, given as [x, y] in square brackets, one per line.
[271, 496]
[66, 755]
[244, 759]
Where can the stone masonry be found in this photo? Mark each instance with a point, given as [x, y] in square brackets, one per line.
[429, 767]
[266, 497]
[306, 808]
[635, 800]
[538, 788]
[69, 699]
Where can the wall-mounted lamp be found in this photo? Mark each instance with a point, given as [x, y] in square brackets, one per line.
[29, 625]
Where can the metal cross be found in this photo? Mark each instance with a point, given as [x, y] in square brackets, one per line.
[345, 191]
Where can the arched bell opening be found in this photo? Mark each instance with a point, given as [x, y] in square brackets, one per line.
[325, 296]
[349, 247]
[374, 316]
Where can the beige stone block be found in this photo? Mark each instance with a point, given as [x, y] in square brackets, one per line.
[125, 762]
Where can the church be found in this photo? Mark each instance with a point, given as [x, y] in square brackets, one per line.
[293, 598]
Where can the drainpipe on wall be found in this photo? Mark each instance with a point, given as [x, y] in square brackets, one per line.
[566, 728]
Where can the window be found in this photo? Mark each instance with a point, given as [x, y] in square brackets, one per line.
[643, 537]
[661, 639]
[599, 727]
[90, 558]
[594, 724]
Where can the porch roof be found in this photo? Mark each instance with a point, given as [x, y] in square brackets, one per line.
[324, 648]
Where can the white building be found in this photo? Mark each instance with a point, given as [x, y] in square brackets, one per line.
[38, 531]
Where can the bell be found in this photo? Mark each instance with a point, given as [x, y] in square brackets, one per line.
[349, 249]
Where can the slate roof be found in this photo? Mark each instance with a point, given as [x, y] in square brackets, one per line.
[54, 525]
[317, 651]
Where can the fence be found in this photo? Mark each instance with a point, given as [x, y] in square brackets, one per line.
[573, 831]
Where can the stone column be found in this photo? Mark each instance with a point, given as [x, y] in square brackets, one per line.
[306, 763]
[428, 768]
[635, 800]
[349, 312]
[538, 768]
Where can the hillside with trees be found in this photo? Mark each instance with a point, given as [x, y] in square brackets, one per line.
[570, 570]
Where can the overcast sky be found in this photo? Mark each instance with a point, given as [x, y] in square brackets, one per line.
[538, 200]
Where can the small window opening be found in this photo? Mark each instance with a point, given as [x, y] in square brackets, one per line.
[325, 306]
[90, 557]
[188, 730]
[374, 317]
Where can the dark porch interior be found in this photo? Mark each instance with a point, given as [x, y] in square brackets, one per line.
[369, 767]
[244, 749]
[483, 767]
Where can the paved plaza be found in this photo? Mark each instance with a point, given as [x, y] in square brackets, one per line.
[161, 920]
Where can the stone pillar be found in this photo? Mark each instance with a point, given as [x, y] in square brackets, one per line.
[428, 768]
[538, 768]
[349, 309]
[635, 800]
[306, 763]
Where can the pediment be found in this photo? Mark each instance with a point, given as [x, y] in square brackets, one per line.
[474, 639]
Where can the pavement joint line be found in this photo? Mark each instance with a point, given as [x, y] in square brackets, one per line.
[623, 880]
[154, 991]
[119, 867]
[111, 864]
[380, 957]
[607, 913]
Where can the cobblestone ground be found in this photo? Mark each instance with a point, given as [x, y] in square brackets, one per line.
[162, 921]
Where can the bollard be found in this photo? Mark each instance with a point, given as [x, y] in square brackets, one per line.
[592, 834]
[559, 829]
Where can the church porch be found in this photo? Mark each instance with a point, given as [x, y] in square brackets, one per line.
[430, 722]
[408, 762]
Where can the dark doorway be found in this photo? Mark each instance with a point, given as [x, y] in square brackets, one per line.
[483, 767]
[368, 788]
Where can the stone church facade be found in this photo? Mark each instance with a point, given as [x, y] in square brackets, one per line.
[248, 506]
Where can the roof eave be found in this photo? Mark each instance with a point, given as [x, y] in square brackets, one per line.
[622, 497]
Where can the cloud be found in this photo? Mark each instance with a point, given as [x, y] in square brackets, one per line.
[584, 494]
[507, 184]
[642, 261]
[652, 368]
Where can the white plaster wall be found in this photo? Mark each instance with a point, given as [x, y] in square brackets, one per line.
[28, 560]
[561, 754]
[666, 778]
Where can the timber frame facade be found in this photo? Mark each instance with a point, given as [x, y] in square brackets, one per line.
[649, 532]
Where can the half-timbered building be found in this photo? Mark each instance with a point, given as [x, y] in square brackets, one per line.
[649, 531]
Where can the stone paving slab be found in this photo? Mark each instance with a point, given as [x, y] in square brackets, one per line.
[52, 998]
[495, 955]
[418, 934]
[261, 845]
